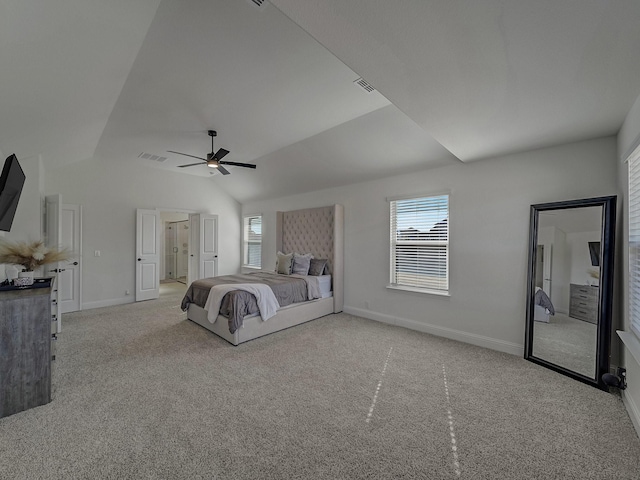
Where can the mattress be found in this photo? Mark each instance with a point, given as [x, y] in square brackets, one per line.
[324, 283]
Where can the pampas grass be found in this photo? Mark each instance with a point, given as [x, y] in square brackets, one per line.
[31, 254]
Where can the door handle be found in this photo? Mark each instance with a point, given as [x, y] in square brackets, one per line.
[74, 263]
[139, 259]
[55, 270]
[61, 270]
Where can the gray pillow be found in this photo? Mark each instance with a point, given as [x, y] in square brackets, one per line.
[283, 264]
[317, 266]
[301, 263]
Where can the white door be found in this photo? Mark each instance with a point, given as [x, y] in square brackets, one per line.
[53, 238]
[70, 271]
[203, 246]
[147, 254]
[547, 279]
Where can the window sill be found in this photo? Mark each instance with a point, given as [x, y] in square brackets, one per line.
[426, 291]
[631, 342]
[251, 267]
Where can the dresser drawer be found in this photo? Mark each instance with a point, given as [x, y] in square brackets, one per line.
[587, 315]
[583, 291]
[583, 304]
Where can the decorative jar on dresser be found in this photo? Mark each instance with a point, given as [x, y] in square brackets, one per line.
[25, 346]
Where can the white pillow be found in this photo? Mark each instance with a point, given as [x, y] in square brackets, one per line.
[283, 263]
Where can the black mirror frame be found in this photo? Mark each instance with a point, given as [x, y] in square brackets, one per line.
[605, 302]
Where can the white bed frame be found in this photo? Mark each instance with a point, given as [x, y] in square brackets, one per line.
[540, 314]
[319, 231]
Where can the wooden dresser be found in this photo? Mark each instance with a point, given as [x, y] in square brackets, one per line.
[25, 346]
[584, 302]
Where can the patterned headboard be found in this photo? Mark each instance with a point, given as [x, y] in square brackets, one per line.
[319, 231]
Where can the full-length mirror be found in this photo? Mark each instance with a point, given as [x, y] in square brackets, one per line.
[570, 286]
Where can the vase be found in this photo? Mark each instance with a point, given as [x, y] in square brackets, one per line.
[28, 276]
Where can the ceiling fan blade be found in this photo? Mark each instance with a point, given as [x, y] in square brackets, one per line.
[187, 155]
[223, 170]
[192, 164]
[220, 154]
[236, 164]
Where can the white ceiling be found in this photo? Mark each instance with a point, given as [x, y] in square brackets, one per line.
[467, 80]
[490, 77]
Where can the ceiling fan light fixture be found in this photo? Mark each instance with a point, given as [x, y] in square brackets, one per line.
[212, 165]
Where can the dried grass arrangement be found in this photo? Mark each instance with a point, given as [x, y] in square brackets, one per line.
[30, 254]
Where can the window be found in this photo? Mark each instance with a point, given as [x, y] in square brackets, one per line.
[634, 243]
[420, 244]
[252, 241]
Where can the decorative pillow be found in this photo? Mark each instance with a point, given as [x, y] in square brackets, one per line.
[283, 264]
[317, 266]
[301, 263]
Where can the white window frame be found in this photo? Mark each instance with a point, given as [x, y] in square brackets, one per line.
[634, 241]
[246, 219]
[415, 284]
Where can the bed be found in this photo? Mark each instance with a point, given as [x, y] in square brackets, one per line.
[318, 231]
[543, 308]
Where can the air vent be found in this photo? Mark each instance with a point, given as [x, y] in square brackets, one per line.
[155, 158]
[259, 4]
[364, 85]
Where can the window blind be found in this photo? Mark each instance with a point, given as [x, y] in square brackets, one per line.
[252, 239]
[420, 243]
[634, 243]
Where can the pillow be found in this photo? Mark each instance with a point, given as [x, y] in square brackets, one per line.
[301, 263]
[283, 264]
[317, 266]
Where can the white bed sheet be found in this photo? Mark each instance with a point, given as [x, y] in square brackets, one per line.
[324, 282]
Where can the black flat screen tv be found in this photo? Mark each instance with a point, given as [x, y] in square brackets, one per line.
[11, 183]
[594, 251]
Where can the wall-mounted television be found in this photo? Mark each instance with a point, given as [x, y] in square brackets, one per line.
[594, 251]
[11, 183]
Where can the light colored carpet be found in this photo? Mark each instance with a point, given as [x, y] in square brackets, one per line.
[140, 392]
[568, 342]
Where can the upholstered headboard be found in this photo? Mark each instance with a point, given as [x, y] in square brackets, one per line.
[319, 231]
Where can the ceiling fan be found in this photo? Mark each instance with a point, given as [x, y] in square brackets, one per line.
[214, 160]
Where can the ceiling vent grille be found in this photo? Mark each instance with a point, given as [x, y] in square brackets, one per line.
[259, 4]
[364, 85]
[155, 158]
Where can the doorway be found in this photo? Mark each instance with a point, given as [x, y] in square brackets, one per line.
[176, 247]
[174, 268]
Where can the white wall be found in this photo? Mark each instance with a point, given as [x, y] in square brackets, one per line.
[628, 137]
[109, 193]
[490, 202]
[578, 243]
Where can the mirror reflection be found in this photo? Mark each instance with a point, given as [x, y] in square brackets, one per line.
[567, 288]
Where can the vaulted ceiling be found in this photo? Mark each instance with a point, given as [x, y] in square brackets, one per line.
[455, 81]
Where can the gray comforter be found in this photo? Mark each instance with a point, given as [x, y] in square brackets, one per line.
[542, 299]
[238, 304]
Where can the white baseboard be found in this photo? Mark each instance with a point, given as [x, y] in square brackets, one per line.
[112, 302]
[632, 410]
[472, 338]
